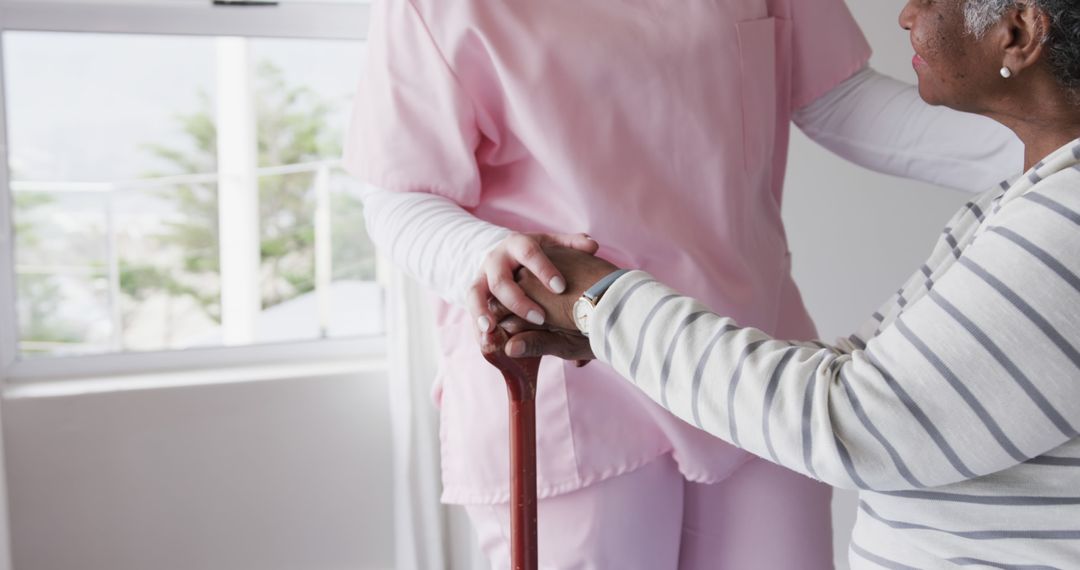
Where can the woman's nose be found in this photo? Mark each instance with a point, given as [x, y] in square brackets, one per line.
[907, 16]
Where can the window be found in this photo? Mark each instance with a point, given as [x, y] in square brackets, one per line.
[175, 187]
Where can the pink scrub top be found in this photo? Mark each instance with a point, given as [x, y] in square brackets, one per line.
[658, 127]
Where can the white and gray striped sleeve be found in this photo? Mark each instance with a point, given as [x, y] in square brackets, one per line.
[981, 374]
[431, 238]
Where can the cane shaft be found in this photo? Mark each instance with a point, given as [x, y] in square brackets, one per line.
[523, 520]
[520, 376]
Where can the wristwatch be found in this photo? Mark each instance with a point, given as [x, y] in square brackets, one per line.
[586, 304]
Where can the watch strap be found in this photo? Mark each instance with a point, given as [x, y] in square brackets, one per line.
[594, 293]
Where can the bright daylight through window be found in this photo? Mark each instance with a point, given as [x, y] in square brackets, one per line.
[183, 191]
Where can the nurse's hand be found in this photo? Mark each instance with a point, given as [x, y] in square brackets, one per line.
[559, 336]
[581, 270]
[497, 279]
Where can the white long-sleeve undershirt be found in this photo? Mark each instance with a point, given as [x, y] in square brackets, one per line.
[870, 119]
[883, 124]
[431, 238]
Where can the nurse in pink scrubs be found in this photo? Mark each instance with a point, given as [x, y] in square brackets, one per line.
[486, 127]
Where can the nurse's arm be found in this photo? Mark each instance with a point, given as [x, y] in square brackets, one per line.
[883, 124]
[431, 238]
[460, 257]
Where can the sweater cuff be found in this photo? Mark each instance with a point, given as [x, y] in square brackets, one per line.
[632, 287]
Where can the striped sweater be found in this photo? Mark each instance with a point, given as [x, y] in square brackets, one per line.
[954, 410]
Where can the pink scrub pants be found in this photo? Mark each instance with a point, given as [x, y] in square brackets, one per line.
[762, 517]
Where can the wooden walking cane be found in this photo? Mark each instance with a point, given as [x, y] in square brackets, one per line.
[520, 376]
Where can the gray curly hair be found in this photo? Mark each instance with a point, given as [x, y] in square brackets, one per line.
[1062, 39]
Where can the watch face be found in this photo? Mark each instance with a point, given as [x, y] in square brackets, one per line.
[582, 309]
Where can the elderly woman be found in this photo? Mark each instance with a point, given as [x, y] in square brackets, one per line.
[955, 409]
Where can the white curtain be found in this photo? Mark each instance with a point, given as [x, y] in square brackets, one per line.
[428, 535]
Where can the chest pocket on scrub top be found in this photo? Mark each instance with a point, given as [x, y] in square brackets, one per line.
[757, 75]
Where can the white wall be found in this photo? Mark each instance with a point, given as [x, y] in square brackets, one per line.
[848, 256]
[291, 474]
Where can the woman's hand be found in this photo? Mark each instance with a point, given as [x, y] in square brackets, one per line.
[497, 279]
[527, 339]
[560, 336]
[581, 271]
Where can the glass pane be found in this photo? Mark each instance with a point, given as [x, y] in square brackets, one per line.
[176, 156]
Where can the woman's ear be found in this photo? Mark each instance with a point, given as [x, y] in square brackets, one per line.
[1023, 33]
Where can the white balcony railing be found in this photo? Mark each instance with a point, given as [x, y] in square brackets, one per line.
[108, 191]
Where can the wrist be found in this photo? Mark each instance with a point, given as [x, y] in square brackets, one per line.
[585, 305]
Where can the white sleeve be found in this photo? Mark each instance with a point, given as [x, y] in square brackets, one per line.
[431, 238]
[883, 124]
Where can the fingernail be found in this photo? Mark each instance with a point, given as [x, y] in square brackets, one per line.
[515, 348]
[484, 323]
[558, 284]
[535, 318]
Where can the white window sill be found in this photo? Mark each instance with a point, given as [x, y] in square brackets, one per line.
[85, 386]
[58, 377]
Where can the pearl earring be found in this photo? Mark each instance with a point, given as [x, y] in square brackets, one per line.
[1006, 72]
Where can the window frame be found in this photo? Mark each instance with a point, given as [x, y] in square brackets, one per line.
[301, 20]
[340, 21]
[9, 328]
